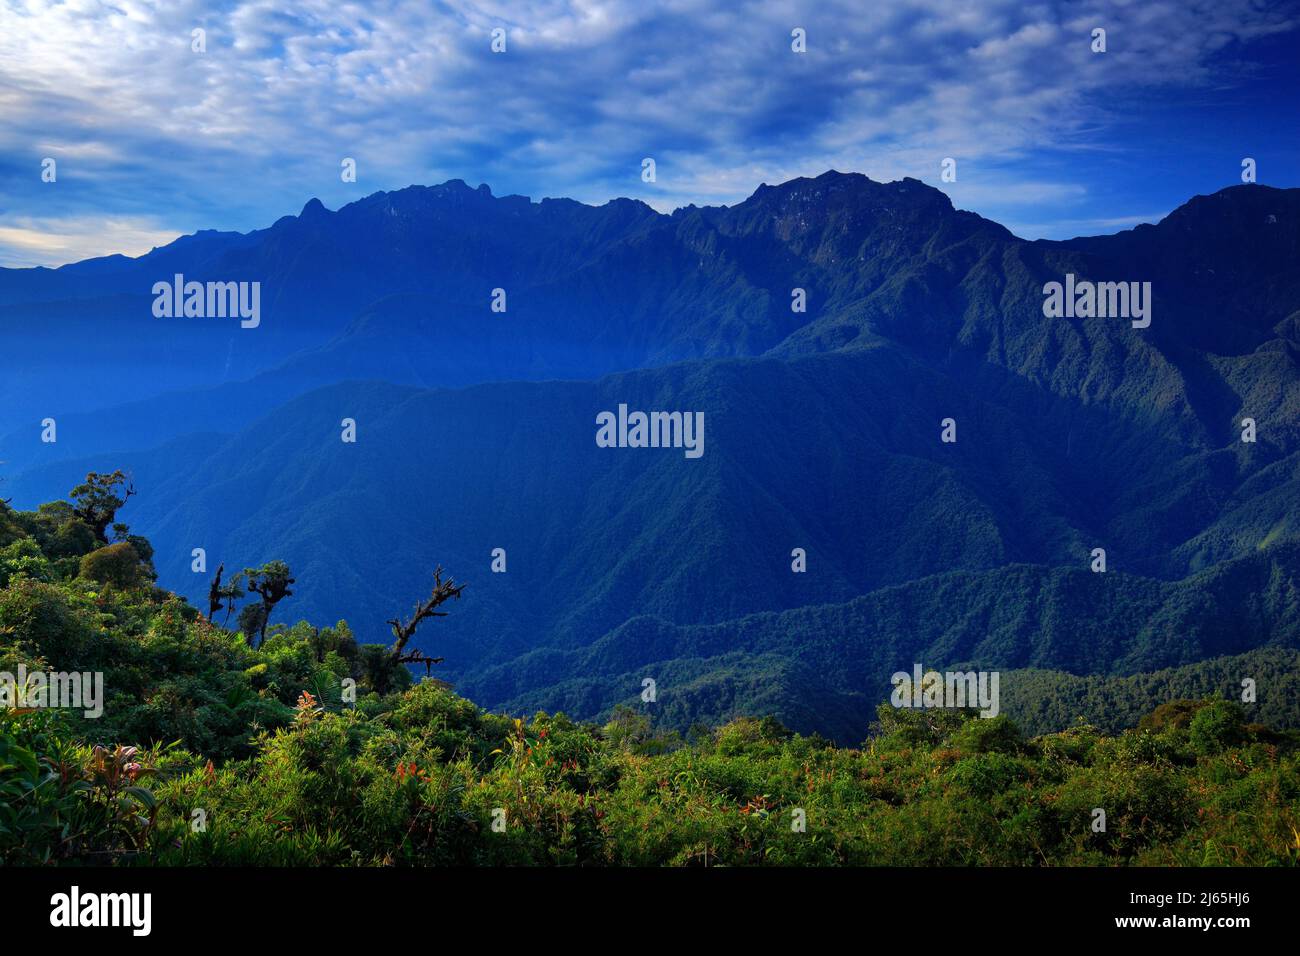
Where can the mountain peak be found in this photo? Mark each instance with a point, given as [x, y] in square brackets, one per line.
[313, 210]
[833, 182]
[832, 177]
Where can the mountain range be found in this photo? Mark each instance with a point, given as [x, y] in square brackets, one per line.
[824, 432]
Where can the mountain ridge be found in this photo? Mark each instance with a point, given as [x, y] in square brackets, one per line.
[475, 429]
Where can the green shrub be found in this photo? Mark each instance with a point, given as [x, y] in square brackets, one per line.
[118, 565]
[1218, 726]
[212, 752]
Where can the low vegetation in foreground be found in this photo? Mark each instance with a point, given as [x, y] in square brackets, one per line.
[248, 746]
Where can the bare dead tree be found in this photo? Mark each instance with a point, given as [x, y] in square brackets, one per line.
[418, 657]
[232, 592]
[403, 631]
[215, 595]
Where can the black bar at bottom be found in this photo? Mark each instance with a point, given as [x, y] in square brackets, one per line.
[267, 905]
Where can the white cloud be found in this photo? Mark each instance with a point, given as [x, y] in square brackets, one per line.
[236, 136]
[1072, 228]
[25, 241]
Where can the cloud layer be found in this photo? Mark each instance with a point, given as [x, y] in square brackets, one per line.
[158, 139]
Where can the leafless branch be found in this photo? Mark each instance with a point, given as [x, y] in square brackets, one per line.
[404, 631]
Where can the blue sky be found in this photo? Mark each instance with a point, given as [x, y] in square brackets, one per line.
[154, 140]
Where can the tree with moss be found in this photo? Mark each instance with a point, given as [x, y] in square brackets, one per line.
[271, 582]
[252, 621]
[97, 500]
